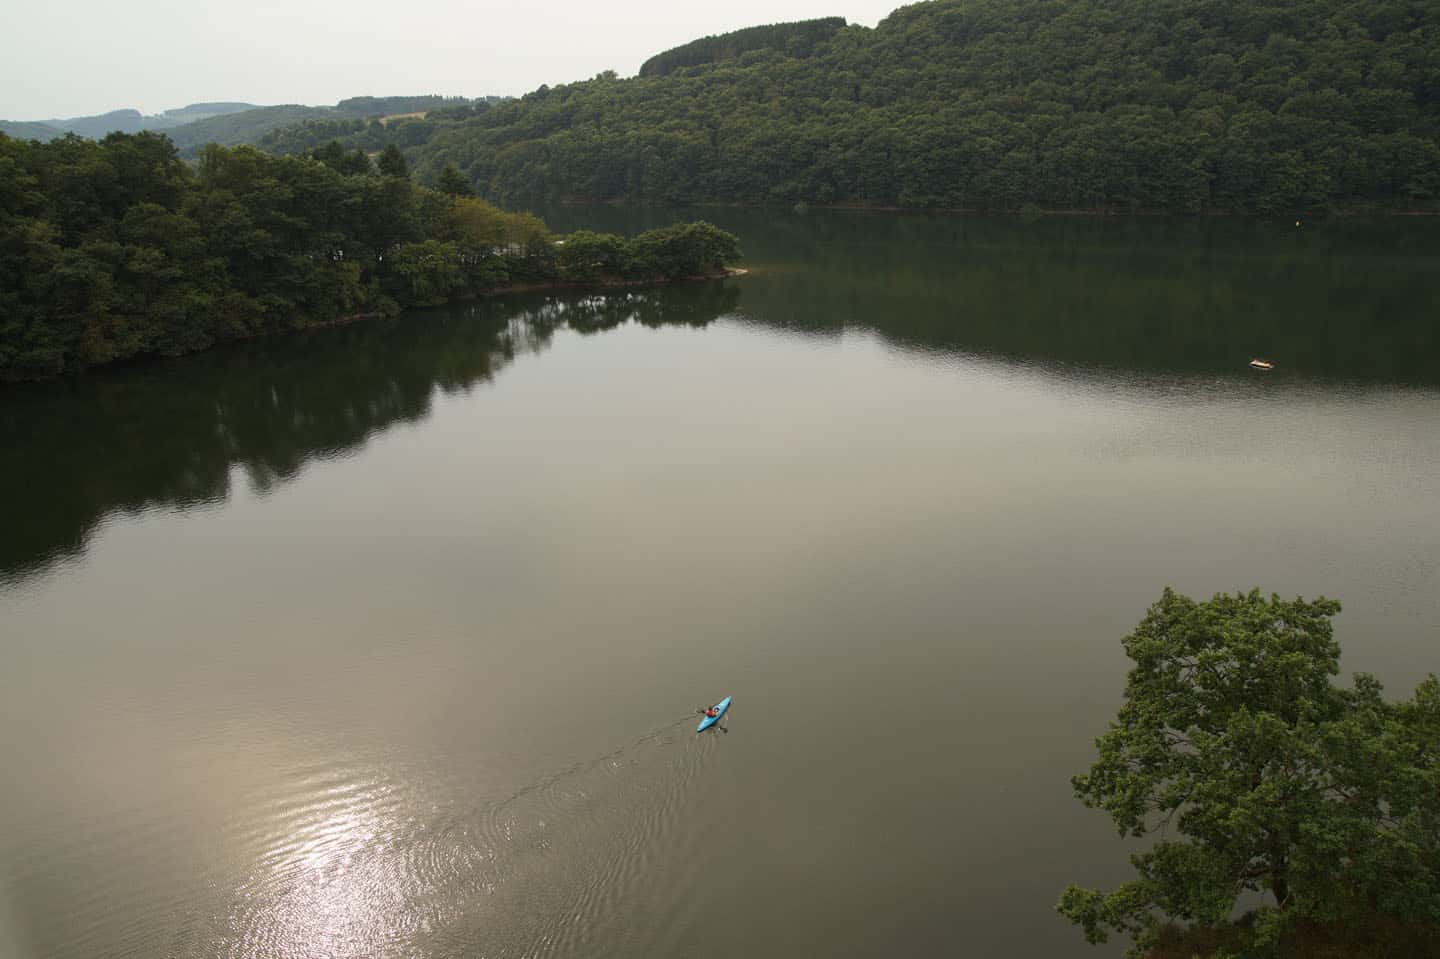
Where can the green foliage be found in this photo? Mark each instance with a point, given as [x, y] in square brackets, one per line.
[313, 134]
[686, 249]
[464, 111]
[118, 249]
[386, 106]
[333, 155]
[392, 162]
[1233, 737]
[588, 256]
[431, 268]
[453, 182]
[673, 252]
[792, 39]
[1247, 105]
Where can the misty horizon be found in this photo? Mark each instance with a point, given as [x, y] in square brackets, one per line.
[302, 53]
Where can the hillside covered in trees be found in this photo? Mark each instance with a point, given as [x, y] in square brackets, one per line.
[119, 249]
[1178, 105]
[791, 39]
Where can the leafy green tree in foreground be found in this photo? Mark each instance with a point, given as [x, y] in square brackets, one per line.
[1261, 776]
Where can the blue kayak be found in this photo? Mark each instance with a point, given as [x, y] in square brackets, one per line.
[709, 721]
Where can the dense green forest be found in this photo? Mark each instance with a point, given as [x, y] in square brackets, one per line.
[791, 39]
[1178, 105]
[117, 249]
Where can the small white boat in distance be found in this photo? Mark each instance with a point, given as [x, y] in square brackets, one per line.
[1262, 364]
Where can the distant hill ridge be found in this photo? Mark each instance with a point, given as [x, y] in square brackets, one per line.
[123, 121]
[200, 111]
[227, 123]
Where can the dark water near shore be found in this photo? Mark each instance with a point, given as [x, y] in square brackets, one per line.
[385, 640]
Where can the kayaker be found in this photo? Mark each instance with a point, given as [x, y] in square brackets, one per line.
[712, 712]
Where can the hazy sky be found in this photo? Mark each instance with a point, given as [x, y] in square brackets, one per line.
[90, 56]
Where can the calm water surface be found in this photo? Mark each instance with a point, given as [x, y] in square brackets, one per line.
[386, 640]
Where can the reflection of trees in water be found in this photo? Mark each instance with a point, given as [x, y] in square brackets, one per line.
[1364, 322]
[1351, 297]
[1348, 298]
[170, 433]
[699, 306]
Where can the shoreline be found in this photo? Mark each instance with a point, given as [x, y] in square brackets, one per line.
[977, 211]
[612, 283]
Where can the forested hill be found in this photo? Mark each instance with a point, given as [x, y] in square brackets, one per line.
[1182, 105]
[792, 39]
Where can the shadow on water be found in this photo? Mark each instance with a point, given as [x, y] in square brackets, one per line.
[1350, 300]
[172, 433]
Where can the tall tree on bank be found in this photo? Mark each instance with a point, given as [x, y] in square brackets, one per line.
[1261, 776]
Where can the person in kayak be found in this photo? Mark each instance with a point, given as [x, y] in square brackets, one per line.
[711, 712]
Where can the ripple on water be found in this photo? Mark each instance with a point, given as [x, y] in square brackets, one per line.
[344, 863]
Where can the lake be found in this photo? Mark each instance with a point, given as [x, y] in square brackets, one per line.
[387, 639]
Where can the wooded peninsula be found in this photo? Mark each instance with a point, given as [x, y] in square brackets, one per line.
[119, 249]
